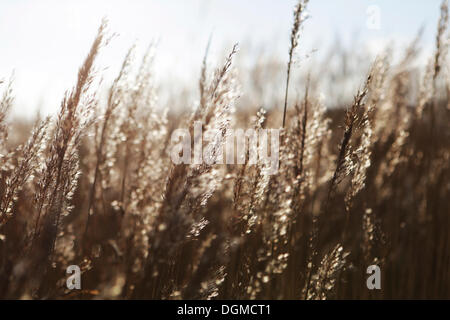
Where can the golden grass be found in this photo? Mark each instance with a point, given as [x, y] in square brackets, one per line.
[95, 187]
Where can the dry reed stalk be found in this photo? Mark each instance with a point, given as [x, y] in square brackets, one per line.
[344, 162]
[73, 118]
[440, 57]
[324, 281]
[188, 188]
[115, 98]
[299, 18]
[6, 102]
[28, 162]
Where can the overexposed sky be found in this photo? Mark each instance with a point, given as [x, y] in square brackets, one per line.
[46, 41]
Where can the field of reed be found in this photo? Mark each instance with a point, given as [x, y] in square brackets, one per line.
[365, 183]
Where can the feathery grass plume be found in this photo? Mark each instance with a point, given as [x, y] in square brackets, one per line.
[73, 118]
[428, 99]
[262, 177]
[362, 160]
[345, 163]
[345, 166]
[425, 90]
[381, 96]
[132, 131]
[250, 190]
[276, 216]
[28, 156]
[188, 188]
[428, 88]
[318, 160]
[324, 281]
[150, 170]
[6, 102]
[362, 154]
[442, 41]
[104, 148]
[440, 57]
[299, 18]
[318, 156]
[299, 135]
[216, 119]
[312, 147]
[209, 272]
[204, 179]
[302, 124]
[369, 236]
[131, 127]
[245, 204]
[400, 121]
[219, 87]
[282, 201]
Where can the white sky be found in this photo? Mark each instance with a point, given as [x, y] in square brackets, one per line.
[46, 41]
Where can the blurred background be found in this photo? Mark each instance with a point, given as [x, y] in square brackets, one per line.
[45, 41]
